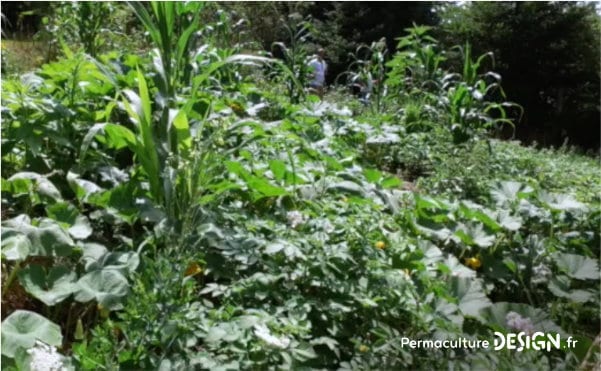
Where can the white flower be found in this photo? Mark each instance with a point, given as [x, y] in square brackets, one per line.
[541, 274]
[328, 227]
[517, 322]
[263, 333]
[295, 218]
[45, 358]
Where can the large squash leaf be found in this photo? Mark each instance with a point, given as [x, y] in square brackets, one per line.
[22, 328]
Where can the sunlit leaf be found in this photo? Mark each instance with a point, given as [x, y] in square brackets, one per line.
[43, 186]
[560, 287]
[578, 266]
[15, 245]
[108, 287]
[47, 239]
[278, 168]
[470, 294]
[50, 288]
[509, 191]
[81, 229]
[496, 316]
[22, 328]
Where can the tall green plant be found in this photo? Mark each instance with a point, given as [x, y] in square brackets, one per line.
[171, 26]
[368, 69]
[89, 24]
[417, 62]
[295, 54]
[466, 101]
[171, 157]
[470, 99]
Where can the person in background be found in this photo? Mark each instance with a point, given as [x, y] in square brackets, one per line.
[319, 68]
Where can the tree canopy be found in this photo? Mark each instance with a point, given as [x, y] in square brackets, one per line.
[548, 55]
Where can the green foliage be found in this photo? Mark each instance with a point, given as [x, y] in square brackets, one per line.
[367, 72]
[417, 61]
[295, 55]
[22, 328]
[548, 55]
[171, 26]
[341, 27]
[174, 210]
[466, 100]
[93, 27]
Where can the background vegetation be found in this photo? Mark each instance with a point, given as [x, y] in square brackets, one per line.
[174, 198]
[547, 53]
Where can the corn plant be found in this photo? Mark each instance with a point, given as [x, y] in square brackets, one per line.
[417, 63]
[171, 157]
[468, 99]
[368, 72]
[295, 55]
[89, 24]
[171, 26]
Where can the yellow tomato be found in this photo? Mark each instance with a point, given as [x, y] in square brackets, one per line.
[192, 270]
[473, 263]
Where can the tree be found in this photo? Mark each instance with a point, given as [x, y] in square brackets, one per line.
[548, 54]
[342, 26]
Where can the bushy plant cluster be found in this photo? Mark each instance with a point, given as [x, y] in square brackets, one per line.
[174, 210]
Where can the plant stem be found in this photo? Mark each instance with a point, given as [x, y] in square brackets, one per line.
[11, 278]
[291, 159]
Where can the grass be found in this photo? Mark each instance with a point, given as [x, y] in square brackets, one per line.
[21, 56]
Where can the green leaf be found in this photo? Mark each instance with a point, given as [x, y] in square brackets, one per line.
[144, 110]
[262, 186]
[562, 202]
[124, 262]
[304, 353]
[108, 287]
[215, 334]
[22, 328]
[78, 225]
[87, 140]
[456, 269]
[49, 289]
[560, 287]
[278, 168]
[496, 316]
[477, 213]
[474, 235]
[49, 239]
[432, 230]
[290, 250]
[43, 186]
[577, 266]
[391, 182]
[507, 192]
[17, 187]
[182, 129]
[92, 252]
[63, 212]
[118, 136]
[372, 175]
[15, 245]
[82, 188]
[81, 229]
[347, 186]
[511, 223]
[274, 247]
[472, 298]
[429, 203]
[237, 168]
